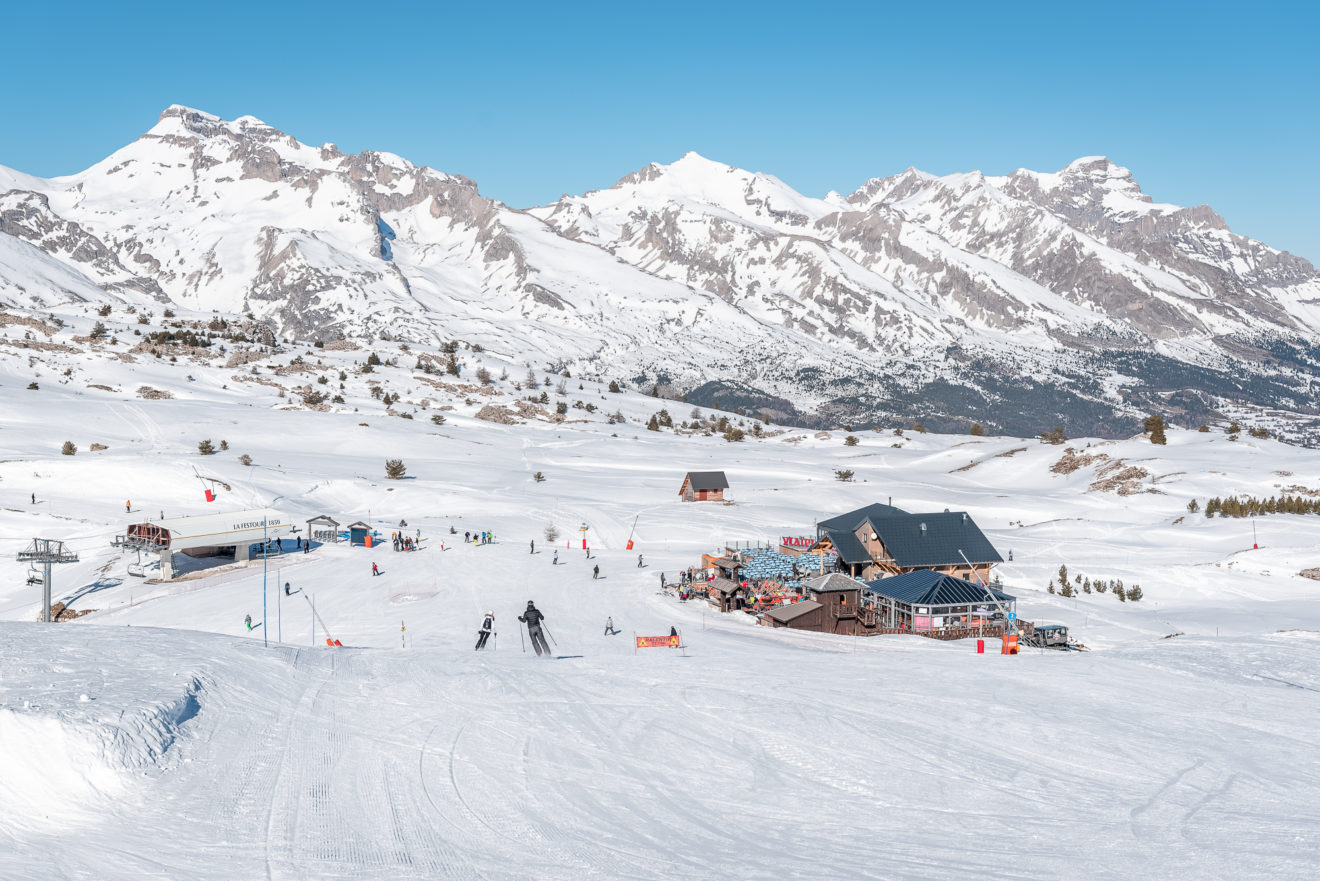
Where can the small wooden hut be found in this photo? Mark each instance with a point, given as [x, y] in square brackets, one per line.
[359, 533]
[703, 486]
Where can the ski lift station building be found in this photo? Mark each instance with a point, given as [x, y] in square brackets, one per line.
[205, 535]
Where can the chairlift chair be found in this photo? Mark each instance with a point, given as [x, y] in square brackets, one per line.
[136, 568]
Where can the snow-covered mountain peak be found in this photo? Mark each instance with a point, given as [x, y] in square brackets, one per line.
[719, 274]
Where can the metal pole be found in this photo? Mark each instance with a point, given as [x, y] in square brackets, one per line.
[313, 620]
[45, 592]
[279, 610]
[265, 631]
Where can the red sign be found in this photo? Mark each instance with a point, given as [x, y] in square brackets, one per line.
[657, 642]
[796, 541]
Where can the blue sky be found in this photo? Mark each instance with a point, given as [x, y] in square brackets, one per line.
[1206, 103]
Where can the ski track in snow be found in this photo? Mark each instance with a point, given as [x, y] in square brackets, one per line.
[764, 754]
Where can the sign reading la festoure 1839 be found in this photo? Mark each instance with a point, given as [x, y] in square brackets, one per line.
[796, 541]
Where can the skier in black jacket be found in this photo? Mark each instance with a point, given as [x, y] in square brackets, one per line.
[533, 618]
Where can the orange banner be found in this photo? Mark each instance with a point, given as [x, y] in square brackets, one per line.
[657, 642]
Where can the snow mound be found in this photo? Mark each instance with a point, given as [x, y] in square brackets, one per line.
[72, 761]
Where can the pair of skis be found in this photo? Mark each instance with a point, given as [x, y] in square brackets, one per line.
[554, 642]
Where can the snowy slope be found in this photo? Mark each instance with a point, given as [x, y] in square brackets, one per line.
[202, 752]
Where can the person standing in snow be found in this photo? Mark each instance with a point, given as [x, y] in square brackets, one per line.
[374, 570]
[595, 572]
[483, 633]
[554, 561]
[533, 550]
[662, 581]
[467, 537]
[286, 590]
[639, 561]
[533, 618]
[128, 507]
[248, 622]
[609, 627]
[34, 501]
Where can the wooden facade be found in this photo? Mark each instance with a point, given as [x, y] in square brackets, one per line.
[835, 607]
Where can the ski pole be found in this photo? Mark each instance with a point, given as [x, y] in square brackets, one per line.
[521, 641]
[551, 635]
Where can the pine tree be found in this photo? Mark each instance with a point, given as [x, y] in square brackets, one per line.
[1154, 427]
[395, 469]
[68, 449]
[654, 424]
[205, 447]
[976, 430]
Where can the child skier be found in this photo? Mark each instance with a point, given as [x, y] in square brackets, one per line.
[374, 570]
[554, 561]
[483, 633]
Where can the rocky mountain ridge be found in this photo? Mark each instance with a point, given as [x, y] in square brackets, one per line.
[1020, 301]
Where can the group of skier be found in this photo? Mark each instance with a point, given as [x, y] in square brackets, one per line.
[407, 543]
[479, 538]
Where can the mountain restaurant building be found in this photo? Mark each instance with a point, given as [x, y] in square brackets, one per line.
[879, 541]
[930, 603]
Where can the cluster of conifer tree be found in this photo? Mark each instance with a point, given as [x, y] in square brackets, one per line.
[1084, 584]
[1234, 506]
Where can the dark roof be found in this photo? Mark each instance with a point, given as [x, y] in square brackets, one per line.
[928, 588]
[793, 611]
[724, 585]
[832, 582]
[854, 519]
[359, 524]
[708, 480]
[849, 549]
[938, 544]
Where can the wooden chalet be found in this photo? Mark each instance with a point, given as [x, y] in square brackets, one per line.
[879, 541]
[703, 486]
[834, 606]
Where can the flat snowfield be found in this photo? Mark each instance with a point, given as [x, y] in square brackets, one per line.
[158, 738]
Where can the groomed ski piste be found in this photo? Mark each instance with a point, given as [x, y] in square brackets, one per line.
[158, 738]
